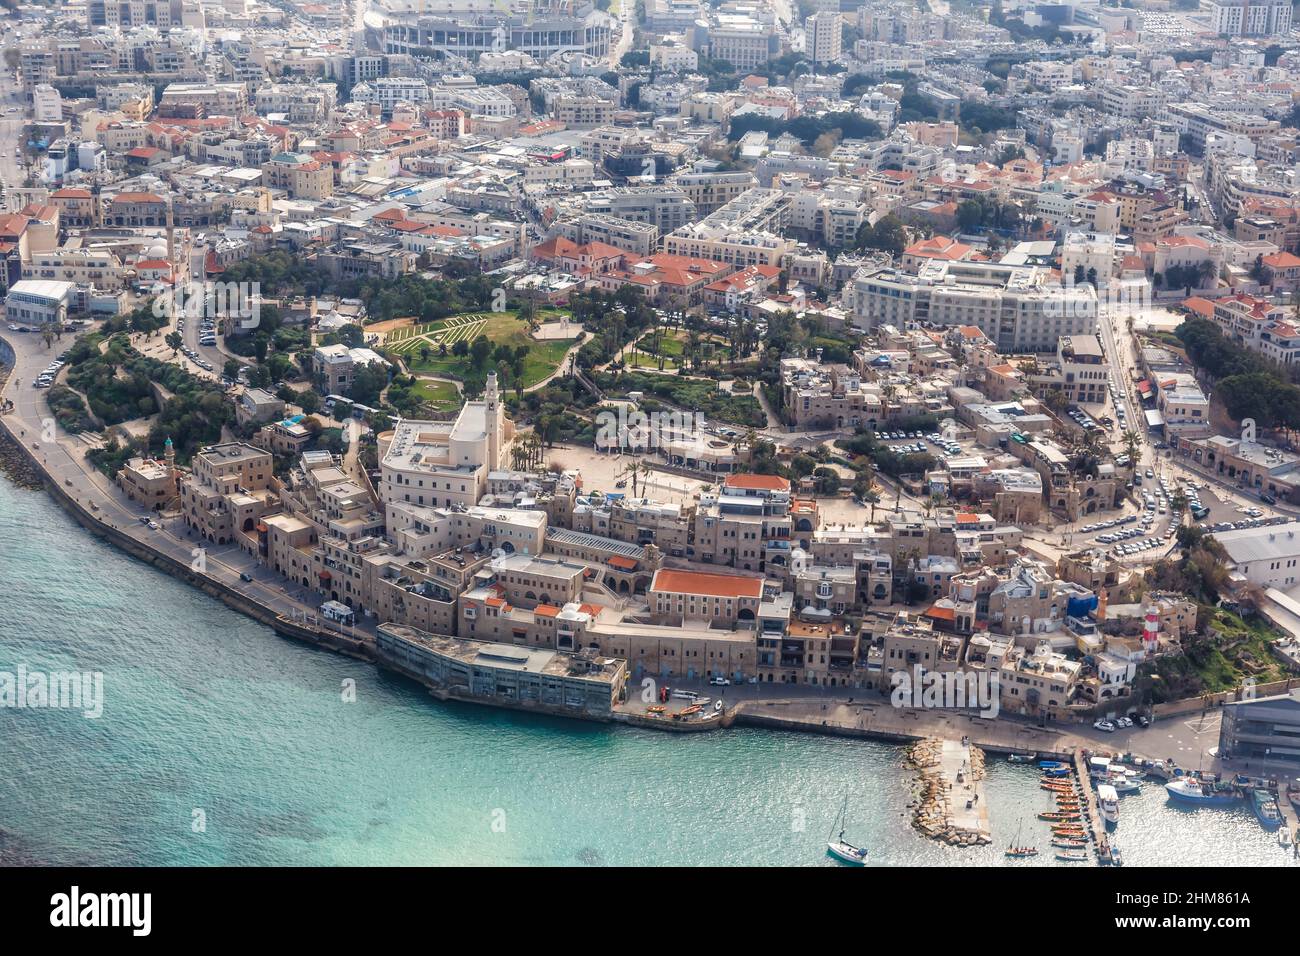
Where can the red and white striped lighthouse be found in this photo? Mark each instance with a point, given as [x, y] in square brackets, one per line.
[1151, 630]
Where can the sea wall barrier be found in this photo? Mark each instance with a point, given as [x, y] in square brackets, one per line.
[232, 598]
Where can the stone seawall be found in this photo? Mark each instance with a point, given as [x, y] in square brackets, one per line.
[11, 445]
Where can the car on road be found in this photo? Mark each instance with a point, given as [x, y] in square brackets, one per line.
[245, 576]
[1105, 725]
[720, 681]
[153, 525]
[1123, 722]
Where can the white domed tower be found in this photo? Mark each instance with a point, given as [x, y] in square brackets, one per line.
[798, 561]
[495, 421]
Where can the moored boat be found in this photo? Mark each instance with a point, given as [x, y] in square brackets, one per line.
[1073, 856]
[1108, 804]
[841, 848]
[1021, 758]
[1193, 790]
[1266, 809]
[1061, 844]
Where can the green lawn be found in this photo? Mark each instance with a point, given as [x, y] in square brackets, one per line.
[441, 395]
[501, 328]
[672, 346]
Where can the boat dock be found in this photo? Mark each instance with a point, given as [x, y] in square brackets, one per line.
[1290, 819]
[1088, 795]
[951, 806]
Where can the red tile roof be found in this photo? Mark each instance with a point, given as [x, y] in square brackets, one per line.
[751, 482]
[707, 583]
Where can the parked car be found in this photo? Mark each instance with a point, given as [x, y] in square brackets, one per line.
[1105, 725]
[719, 681]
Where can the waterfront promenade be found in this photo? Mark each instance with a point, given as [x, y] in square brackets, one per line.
[102, 507]
[875, 718]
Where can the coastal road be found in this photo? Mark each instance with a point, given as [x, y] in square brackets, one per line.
[63, 459]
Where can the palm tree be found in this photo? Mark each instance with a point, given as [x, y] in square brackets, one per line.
[1206, 270]
[1132, 444]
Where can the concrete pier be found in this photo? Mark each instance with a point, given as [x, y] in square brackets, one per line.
[1088, 796]
[951, 807]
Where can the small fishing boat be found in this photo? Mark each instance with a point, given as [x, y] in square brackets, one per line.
[1070, 844]
[1021, 758]
[1266, 809]
[1194, 790]
[1056, 773]
[1116, 859]
[1073, 856]
[1284, 836]
[1050, 764]
[841, 848]
[1059, 815]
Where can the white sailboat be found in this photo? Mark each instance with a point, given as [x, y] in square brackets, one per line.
[841, 848]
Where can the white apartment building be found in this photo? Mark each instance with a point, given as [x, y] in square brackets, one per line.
[1049, 74]
[1093, 252]
[1251, 18]
[1132, 102]
[484, 101]
[388, 91]
[745, 44]
[98, 267]
[825, 34]
[1019, 308]
[47, 104]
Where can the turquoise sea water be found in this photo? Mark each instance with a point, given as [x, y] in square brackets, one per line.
[207, 710]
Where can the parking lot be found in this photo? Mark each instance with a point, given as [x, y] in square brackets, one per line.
[933, 443]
